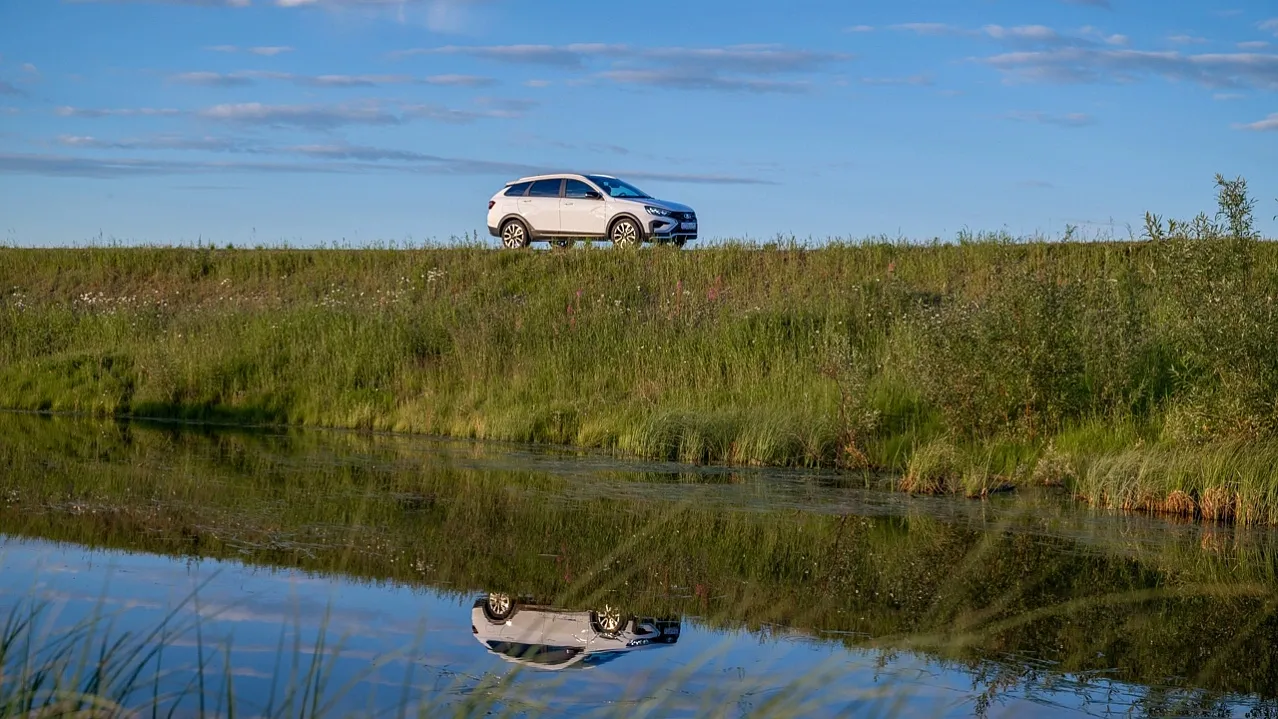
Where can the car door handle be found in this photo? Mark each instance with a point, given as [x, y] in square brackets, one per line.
[567, 203]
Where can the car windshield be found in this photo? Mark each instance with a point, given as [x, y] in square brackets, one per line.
[617, 188]
[535, 653]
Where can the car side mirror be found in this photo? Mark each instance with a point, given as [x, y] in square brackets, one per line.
[592, 195]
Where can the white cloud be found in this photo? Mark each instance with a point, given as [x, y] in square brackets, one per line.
[571, 56]
[447, 15]
[1269, 124]
[758, 59]
[1077, 65]
[934, 29]
[1018, 35]
[1095, 33]
[1031, 33]
[733, 68]
[458, 80]
[675, 80]
[250, 77]
[319, 117]
[1270, 25]
[30, 69]
[915, 80]
[67, 111]
[211, 79]
[318, 159]
[1073, 119]
[322, 116]
[1187, 40]
[427, 111]
[537, 83]
[1253, 45]
[264, 50]
[193, 3]
[162, 142]
[861, 28]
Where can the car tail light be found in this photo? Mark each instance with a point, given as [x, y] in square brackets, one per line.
[491, 203]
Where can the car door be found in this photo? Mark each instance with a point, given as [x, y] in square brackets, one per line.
[541, 207]
[581, 211]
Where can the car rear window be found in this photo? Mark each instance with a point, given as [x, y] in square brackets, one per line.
[517, 190]
[545, 188]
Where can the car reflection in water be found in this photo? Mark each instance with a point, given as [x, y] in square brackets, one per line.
[542, 637]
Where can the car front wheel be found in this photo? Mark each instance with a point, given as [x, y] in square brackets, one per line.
[610, 619]
[500, 606]
[514, 235]
[626, 233]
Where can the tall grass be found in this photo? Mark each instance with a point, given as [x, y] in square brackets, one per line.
[990, 351]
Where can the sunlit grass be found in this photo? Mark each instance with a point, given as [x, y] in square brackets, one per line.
[868, 356]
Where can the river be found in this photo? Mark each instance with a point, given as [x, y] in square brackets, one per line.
[224, 571]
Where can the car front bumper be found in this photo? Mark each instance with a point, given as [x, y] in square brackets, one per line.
[680, 229]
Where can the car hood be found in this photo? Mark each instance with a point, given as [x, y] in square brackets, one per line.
[663, 204]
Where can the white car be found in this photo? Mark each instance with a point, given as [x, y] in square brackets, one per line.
[562, 208]
[541, 637]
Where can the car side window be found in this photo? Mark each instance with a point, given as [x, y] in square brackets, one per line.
[578, 190]
[545, 188]
[518, 190]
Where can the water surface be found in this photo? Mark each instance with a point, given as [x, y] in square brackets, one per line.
[359, 568]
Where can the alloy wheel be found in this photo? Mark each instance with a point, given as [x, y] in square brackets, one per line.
[500, 605]
[626, 234]
[514, 236]
[610, 620]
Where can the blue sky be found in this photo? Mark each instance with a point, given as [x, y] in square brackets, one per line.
[322, 121]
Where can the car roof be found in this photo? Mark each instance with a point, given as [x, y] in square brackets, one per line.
[556, 176]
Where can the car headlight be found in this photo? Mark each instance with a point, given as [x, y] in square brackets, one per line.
[657, 211]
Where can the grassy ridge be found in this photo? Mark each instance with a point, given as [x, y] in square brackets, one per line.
[1142, 374]
[1191, 613]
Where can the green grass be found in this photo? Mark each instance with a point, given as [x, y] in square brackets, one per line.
[852, 355]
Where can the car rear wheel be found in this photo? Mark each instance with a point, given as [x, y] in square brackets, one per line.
[514, 235]
[626, 233]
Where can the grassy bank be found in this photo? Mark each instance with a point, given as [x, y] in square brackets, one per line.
[1142, 374]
